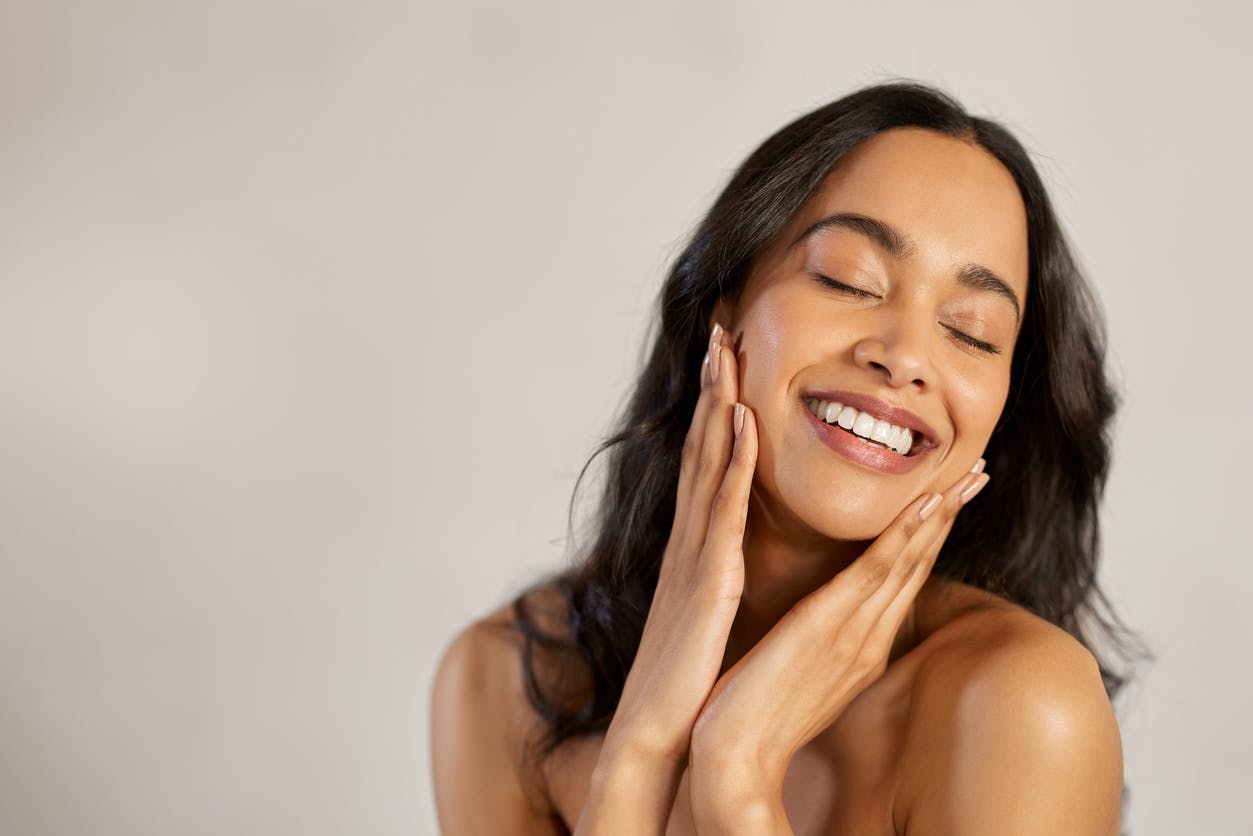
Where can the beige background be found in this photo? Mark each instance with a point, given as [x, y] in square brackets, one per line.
[311, 312]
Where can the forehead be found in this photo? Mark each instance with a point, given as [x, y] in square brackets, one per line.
[953, 199]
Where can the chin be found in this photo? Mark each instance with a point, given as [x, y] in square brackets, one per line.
[851, 509]
[852, 515]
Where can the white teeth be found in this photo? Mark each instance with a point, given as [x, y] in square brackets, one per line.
[863, 424]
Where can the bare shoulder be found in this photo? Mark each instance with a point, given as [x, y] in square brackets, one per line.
[482, 724]
[1010, 730]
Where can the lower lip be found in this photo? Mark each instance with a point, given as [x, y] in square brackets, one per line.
[851, 447]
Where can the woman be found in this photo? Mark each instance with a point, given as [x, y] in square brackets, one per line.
[794, 617]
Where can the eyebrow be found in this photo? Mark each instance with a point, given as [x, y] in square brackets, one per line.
[901, 247]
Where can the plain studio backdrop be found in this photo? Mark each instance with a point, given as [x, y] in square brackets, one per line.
[311, 312]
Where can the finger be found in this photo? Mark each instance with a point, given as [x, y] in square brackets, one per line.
[694, 440]
[716, 446]
[858, 614]
[884, 610]
[877, 565]
[920, 553]
[871, 581]
[883, 632]
[724, 540]
[954, 499]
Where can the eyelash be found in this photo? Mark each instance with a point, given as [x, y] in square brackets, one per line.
[834, 285]
[980, 345]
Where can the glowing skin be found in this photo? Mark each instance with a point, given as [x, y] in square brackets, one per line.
[967, 715]
[959, 205]
[812, 510]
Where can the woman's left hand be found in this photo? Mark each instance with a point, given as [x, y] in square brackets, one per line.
[824, 652]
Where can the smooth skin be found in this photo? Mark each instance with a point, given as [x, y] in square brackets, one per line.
[800, 671]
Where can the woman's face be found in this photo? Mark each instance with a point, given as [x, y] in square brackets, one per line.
[933, 244]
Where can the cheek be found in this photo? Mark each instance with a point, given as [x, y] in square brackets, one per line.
[977, 405]
[782, 333]
[765, 355]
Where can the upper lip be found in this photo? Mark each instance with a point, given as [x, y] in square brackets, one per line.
[879, 409]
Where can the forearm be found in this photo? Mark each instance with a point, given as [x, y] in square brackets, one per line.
[629, 787]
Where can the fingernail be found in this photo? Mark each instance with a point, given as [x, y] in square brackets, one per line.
[739, 418]
[978, 468]
[929, 506]
[715, 336]
[715, 352]
[971, 490]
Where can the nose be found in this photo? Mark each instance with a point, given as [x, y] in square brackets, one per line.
[898, 353]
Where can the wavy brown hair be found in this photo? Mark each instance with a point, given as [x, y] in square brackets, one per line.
[1033, 537]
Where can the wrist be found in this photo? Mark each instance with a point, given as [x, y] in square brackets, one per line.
[740, 759]
[623, 760]
[633, 749]
[749, 817]
[736, 794]
[629, 784]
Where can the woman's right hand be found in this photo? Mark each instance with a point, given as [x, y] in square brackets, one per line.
[702, 573]
[698, 591]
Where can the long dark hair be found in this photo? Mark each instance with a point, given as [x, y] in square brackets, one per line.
[1033, 536]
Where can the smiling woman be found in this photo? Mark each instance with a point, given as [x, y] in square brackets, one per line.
[790, 620]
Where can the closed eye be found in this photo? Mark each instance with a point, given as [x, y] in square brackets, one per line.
[844, 288]
[987, 348]
[960, 336]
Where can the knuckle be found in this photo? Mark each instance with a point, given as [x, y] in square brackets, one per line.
[722, 512]
[691, 448]
[910, 562]
[720, 575]
[872, 670]
[869, 660]
[707, 460]
[912, 523]
[876, 573]
[717, 507]
[801, 613]
[846, 648]
[713, 451]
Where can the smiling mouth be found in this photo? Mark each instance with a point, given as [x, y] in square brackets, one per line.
[872, 431]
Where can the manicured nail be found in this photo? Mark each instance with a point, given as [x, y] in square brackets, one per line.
[715, 336]
[973, 489]
[929, 506]
[739, 418]
[978, 468]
